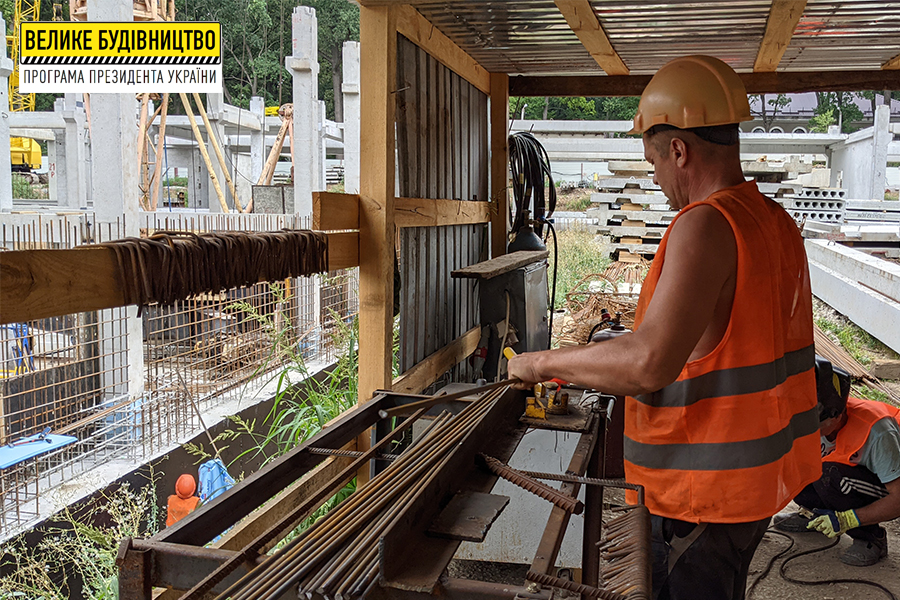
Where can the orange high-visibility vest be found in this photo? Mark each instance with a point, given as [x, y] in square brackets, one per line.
[736, 436]
[861, 416]
[179, 508]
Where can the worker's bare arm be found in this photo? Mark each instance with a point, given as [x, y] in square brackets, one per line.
[699, 269]
[883, 509]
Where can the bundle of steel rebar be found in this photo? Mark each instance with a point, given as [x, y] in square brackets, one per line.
[338, 556]
[625, 554]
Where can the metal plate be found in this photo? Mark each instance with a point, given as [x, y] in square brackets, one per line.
[468, 517]
[577, 420]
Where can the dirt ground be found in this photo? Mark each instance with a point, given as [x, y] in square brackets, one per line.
[823, 565]
[817, 566]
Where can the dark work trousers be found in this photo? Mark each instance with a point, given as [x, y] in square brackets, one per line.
[702, 562]
[843, 487]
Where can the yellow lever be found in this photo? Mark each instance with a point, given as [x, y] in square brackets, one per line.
[508, 353]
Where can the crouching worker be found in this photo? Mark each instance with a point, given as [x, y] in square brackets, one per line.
[860, 484]
[183, 502]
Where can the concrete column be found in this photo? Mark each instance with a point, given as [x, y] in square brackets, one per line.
[214, 105]
[882, 136]
[56, 169]
[76, 140]
[257, 140]
[114, 181]
[320, 147]
[6, 69]
[200, 183]
[304, 66]
[350, 90]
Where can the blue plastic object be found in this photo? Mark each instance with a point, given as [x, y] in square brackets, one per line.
[32, 447]
[214, 480]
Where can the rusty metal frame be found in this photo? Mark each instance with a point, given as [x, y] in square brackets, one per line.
[176, 559]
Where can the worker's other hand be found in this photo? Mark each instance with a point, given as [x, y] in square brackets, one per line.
[521, 367]
[833, 523]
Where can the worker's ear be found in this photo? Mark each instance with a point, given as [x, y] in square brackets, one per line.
[678, 151]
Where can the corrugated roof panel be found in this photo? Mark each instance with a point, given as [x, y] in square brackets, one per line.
[532, 37]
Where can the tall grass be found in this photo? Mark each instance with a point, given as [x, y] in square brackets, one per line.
[579, 256]
[84, 548]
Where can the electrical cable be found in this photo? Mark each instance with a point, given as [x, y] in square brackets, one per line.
[555, 271]
[529, 165]
[793, 580]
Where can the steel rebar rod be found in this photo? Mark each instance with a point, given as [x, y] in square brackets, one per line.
[618, 483]
[278, 575]
[541, 490]
[253, 548]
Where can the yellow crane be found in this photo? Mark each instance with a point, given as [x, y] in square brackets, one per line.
[25, 153]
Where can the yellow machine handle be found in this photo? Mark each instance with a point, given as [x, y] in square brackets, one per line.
[509, 353]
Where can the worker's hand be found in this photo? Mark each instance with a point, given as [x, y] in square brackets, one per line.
[833, 523]
[521, 367]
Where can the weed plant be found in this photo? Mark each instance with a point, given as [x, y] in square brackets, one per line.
[84, 547]
[579, 256]
[22, 188]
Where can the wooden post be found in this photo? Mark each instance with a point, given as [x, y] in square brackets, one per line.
[378, 35]
[142, 141]
[499, 162]
[160, 151]
[215, 144]
[203, 151]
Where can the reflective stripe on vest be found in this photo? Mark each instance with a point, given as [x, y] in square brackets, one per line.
[732, 382]
[727, 455]
[736, 436]
[861, 416]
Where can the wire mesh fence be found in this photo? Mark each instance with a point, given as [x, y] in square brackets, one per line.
[74, 374]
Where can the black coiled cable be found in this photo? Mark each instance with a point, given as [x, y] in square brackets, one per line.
[529, 165]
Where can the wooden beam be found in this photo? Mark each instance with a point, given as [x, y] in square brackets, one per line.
[423, 212]
[335, 212]
[278, 507]
[343, 250]
[499, 162]
[433, 366]
[893, 63]
[49, 283]
[783, 18]
[378, 80]
[780, 82]
[583, 21]
[419, 30]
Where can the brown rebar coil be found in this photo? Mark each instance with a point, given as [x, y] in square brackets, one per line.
[174, 265]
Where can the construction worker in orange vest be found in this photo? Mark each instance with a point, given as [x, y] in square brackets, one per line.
[860, 484]
[721, 426]
[183, 502]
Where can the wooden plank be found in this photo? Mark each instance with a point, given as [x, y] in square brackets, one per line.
[378, 68]
[778, 82]
[423, 212]
[783, 18]
[419, 30]
[636, 232]
[427, 371]
[499, 98]
[893, 63]
[335, 212]
[580, 16]
[48, 283]
[502, 264]
[288, 499]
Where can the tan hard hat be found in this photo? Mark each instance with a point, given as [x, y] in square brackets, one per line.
[692, 91]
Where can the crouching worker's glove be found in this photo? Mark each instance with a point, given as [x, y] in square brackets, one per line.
[833, 523]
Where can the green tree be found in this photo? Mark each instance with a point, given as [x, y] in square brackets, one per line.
[571, 109]
[617, 108]
[338, 22]
[768, 115]
[843, 108]
[822, 121]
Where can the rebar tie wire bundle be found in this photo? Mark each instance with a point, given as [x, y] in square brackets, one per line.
[173, 265]
[338, 556]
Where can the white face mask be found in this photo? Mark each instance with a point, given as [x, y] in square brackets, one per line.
[827, 446]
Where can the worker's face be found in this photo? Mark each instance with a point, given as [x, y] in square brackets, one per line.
[829, 427]
[660, 153]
